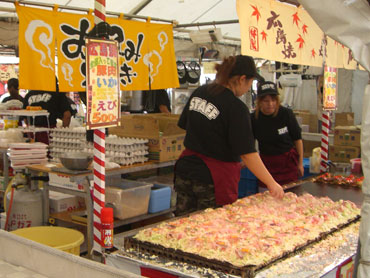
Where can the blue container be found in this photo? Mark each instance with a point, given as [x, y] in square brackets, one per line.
[247, 187]
[306, 167]
[160, 198]
[246, 174]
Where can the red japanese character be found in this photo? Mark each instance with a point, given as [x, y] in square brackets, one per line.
[101, 106]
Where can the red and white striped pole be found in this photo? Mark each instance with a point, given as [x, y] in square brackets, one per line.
[324, 141]
[99, 156]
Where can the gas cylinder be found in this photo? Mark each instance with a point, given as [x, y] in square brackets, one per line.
[26, 210]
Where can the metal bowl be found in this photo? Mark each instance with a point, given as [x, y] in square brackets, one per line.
[76, 161]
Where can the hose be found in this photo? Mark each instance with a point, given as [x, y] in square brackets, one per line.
[9, 186]
[9, 210]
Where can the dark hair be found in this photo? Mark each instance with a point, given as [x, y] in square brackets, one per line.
[233, 66]
[13, 83]
[224, 70]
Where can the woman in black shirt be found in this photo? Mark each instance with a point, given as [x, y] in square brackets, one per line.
[218, 134]
[278, 134]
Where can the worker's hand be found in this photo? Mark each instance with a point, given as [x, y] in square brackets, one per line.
[300, 170]
[276, 190]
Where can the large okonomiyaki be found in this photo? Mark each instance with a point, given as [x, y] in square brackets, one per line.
[252, 231]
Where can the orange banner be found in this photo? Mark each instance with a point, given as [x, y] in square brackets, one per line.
[146, 51]
[36, 48]
[71, 32]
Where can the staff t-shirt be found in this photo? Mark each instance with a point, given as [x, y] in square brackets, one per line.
[55, 103]
[276, 135]
[218, 126]
[18, 97]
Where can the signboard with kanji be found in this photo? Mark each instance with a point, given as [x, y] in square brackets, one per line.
[330, 88]
[103, 94]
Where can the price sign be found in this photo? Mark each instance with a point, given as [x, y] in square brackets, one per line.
[102, 87]
[346, 269]
[330, 88]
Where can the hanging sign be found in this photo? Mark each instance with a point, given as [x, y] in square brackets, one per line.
[103, 94]
[8, 71]
[146, 51]
[276, 31]
[279, 32]
[330, 88]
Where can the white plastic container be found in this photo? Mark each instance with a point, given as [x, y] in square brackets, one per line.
[127, 198]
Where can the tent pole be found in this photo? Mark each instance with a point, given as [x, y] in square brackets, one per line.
[213, 23]
[63, 7]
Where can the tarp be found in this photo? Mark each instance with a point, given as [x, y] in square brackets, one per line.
[349, 24]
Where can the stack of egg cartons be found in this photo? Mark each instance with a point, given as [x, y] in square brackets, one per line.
[64, 140]
[123, 150]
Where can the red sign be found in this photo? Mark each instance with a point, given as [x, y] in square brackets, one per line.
[330, 88]
[102, 75]
[345, 270]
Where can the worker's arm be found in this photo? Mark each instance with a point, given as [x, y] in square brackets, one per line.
[299, 146]
[66, 118]
[255, 165]
[164, 109]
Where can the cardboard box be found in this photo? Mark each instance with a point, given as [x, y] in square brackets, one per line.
[343, 153]
[165, 137]
[305, 118]
[61, 180]
[59, 202]
[347, 136]
[313, 123]
[344, 119]
[308, 146]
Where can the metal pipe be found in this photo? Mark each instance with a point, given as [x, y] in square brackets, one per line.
[215, 43]
[140, 6]
[182, 30]
[213, 23]
[63, 7]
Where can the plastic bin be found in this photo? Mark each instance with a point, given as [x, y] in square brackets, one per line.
[67, 240]
[306, 167]
[245, 173]
[247, 187]
[128, 198]
[356, 167]
[248, 184]
[160, 198]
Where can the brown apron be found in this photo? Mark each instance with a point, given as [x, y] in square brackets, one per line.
[283, 168]
[225, 177]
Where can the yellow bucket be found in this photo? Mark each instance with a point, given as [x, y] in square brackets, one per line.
[64, 239]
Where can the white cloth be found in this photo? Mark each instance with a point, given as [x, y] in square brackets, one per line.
[364, 268]
[289, 93]
[347, 22]
[306, 96]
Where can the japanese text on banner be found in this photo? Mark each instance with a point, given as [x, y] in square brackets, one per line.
[103, 95]
[330, 88]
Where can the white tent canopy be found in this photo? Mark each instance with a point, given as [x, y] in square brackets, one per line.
[204, 14]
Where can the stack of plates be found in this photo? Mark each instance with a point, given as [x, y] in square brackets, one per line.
[23, 154]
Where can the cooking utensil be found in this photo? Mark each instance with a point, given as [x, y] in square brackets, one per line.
[76, 161]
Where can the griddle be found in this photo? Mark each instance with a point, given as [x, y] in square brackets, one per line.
[334, 192]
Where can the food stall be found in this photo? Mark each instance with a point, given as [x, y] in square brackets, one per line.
[313, 260]
[322, 257]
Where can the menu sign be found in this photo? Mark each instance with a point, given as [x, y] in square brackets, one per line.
[330, 88]
[102, 90]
